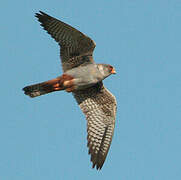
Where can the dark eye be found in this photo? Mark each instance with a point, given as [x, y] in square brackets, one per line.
[110, 68]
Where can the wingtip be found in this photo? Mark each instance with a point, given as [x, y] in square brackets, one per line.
[38, 14]
[41, 13]
[97, 166]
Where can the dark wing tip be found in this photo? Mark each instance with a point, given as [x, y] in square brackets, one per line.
[98, 163]
[98, 166]
[45, 21]
[41, 13]
[96, 159]
[37, 15]
[42, 17]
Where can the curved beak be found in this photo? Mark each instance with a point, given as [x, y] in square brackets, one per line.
[113, 71]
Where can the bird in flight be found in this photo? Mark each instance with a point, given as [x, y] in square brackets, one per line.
[83, 78]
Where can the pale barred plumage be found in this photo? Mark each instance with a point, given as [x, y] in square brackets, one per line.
[99, 106]
[96, 102]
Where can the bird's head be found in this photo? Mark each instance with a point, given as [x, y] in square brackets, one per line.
[106, 69]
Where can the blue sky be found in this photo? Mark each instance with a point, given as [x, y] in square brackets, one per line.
[45, 138]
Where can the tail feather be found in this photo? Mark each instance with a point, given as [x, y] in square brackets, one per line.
[43, 88]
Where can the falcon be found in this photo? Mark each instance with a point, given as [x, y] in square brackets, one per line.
[83, 78]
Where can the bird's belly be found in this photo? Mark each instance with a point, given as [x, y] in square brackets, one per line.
[84, 77]
[84, 82]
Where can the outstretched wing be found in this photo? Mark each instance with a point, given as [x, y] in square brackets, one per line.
[99, 107]
[76, 48]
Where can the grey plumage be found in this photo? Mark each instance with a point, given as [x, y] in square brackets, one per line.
[95, 101]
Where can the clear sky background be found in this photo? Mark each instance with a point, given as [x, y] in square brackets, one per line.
[45, 138]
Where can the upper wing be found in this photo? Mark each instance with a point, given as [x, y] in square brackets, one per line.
[99, 106]
[74, 44]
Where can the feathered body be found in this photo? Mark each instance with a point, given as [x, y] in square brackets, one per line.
[83, 77]
[77, 78]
